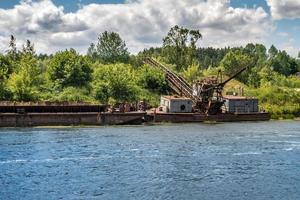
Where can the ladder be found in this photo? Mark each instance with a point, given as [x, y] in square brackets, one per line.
[175, 81]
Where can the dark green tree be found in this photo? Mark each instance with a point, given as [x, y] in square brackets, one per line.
[69, 69]
[152, 79]
[179, 46]
[92, 52]
[110, 48]
[12, 51]
[283, 63]
[272, 51]
[210, 57]
[28, 48]
[236, 60]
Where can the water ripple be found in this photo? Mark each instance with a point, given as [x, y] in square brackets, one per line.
[171, 161]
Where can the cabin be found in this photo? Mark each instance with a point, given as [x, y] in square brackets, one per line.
[176, 104]
[240, 104]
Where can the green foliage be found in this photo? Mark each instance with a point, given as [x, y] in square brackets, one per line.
[92, 52]
[101, 91]
[73, 94]
[69, 69]
[179, 46]
[5, 70]
[210, 57]
[234, 61]
[283, 63]
[273, 51]
[24, 82]
[279, 101]
[6, 67]
[28, 48]
[13, 53]
[115, 81]
[109, 49]
[152, 79]
[192, 73]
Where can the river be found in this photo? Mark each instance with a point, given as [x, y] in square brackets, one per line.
[168, 161]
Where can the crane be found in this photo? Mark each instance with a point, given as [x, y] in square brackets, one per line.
[206, 94]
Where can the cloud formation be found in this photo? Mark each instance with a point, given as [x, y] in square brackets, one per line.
[142, 23]
[284, 9]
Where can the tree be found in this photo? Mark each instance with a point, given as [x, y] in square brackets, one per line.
[115, 82]
[92, 52]
[210, 57]
[179, 46]
[272, 51]
[283, 63]
[69, 69]
[192, 73]
[24, 82]
[12, 52]
[111, 48]
[152, 79]
[28, 48]
[236, 60]
[5, 71]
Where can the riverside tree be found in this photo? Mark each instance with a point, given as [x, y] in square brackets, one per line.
[5, 71]
[69, 69]
[115, 82]
[110, 48]
[179, 46]
[24, 82]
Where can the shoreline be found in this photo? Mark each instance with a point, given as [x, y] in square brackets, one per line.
[146, 124]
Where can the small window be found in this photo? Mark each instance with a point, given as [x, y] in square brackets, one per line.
[182, 107]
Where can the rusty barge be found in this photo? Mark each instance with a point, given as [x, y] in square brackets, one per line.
[64, 114]
[203, 101]
[159, 117]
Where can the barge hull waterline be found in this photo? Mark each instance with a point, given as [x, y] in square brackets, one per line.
[130, 118]
[70, 119]
[193, 117]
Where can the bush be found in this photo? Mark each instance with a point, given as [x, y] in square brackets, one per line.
[73, 94]
[69, 69]
[116, 81]
[152, 79]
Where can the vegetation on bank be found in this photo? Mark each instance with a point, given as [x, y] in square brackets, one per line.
[108, 73]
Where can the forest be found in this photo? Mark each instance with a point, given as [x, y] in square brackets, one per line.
[108, 73]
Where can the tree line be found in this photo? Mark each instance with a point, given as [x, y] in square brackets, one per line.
[108, 73]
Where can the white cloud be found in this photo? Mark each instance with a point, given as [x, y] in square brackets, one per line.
[284, 9]
[283, 34]
[142, 23]
[289, 47]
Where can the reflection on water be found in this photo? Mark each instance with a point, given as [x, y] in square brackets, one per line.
[171, 161]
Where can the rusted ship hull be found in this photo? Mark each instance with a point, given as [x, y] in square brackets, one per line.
[197, 117]
[70, 119]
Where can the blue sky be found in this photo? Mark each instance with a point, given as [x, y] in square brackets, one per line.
[69, 5]
[144, 23]
[72, 5]
[289, 26]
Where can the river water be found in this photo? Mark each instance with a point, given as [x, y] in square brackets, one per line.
[169, 161]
